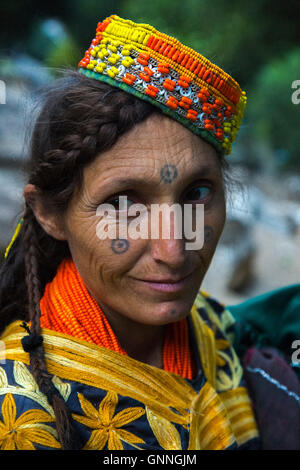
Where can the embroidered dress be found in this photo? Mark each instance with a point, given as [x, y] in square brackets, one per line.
[120, 403]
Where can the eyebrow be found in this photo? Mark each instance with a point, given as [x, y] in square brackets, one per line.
[122, 183]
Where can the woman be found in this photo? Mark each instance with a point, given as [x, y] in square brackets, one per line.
[121, 349]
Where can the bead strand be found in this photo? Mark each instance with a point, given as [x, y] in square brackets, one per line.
[68, 308]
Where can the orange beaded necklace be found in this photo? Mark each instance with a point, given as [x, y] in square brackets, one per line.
[67, 307]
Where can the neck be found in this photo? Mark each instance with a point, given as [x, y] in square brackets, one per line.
[69, 308]
[141, 342]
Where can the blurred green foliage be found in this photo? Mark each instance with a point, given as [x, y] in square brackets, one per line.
[273, 117]
[257, 41]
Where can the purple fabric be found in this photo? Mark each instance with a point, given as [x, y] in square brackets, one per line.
[274, 390]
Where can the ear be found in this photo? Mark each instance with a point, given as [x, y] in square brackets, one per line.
[50, 221]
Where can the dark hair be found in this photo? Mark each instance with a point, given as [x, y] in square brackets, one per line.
[79, 118]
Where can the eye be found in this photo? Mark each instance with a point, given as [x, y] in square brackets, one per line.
[115, 202]
[199, 194]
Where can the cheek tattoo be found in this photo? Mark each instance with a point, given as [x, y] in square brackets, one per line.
[208, 234]
[119, 245]
[168, 173]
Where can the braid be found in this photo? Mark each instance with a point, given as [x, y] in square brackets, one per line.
[80, 118]
[65, 425]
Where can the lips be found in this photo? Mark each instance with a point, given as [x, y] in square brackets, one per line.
[165, 280]
[166, 284]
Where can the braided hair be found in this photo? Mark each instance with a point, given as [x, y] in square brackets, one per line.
[79, 118]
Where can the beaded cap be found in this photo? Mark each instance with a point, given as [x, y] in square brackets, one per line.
[158, 68]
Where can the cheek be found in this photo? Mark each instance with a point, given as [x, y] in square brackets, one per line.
[214, 221]
[101, 261]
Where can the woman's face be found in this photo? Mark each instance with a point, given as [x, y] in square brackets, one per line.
[136, 278]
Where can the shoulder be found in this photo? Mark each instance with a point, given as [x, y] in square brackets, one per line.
[215, 314]
[24, 410]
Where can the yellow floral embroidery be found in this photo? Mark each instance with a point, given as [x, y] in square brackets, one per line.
[165, 432]
[221, 344]
[107, 427]
[20, 433]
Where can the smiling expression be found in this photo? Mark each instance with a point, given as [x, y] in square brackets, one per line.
[153, 281]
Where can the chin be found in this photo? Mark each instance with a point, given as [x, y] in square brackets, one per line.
[168, 312]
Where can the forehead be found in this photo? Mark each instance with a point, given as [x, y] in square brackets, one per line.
[151, 145]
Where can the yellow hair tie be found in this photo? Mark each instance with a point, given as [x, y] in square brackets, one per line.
[14, 237]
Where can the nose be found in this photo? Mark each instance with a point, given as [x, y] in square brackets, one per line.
[169, 252]
[165, 247]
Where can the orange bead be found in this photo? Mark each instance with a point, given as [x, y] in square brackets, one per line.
[192, 115]
[171, 52]
[185, 102]
[151, 91]
[78, 314]
[175, 56]
[172, 102]
[189, 62]
[185, 59]
[202, 70]
[169, 84]
[129, 78]
[148, 71]
[144, 76]
[143, 58]
[163, 68]
[181, 57]
[158, 44]
[150, 41]
[184, 81]
[194, 65]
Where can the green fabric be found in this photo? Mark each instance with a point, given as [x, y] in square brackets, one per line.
[269, 320]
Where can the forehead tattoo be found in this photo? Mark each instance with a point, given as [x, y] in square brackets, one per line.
[168, 173]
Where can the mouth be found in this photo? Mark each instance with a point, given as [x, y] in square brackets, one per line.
[166, 284]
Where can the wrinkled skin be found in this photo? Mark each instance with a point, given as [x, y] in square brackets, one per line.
[136, 312]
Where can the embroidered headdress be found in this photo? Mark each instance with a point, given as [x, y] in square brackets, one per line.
[158, 68]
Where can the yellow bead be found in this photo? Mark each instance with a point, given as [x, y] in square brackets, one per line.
[93, 53]
[111, 60]
[90, 66]
[146, 39]
[112, 72]
[127, 62]
[100, 67]
[103, 53]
